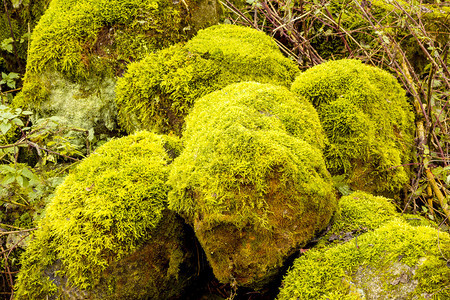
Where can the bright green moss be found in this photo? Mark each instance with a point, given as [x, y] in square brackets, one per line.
[77, 38]
[107, 208]
[79, 48]
[158, 92]
[279, 107]
[83, 38]
[396, 261]
[362, 210]
[367, 119]
[252, 191]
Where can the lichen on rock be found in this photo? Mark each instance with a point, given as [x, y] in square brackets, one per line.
[395, 261]
[107, 233]
[158, 92]
[368, 121]
[251, 189]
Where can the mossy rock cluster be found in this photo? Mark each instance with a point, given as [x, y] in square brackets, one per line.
[107, 233]
[372, 252]
[251, 180]
[157, 92]
[79, 48]
[368, 121]
[395, 261]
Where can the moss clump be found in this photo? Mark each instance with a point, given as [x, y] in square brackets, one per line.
[367, 119]
[357, 213]
[396, 261]
[107, 210]
[79, 48]
[251, 191]
[158, 92]
[281, 109]
[83, 38]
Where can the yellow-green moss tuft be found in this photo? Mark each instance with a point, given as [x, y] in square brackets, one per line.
[367, 119]
[82, 38]
[394, 261]
[158, 92]
[252, 191]
[79, 48]
[106, 209]
[277, 106]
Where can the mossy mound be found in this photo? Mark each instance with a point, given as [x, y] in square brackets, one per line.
[84, 38]
[22, 16]
[252, 192]
[107, 233]
[360, 212]
[367, 119]
[284, 110]
[158, 92]
[396, 261]
[79, 48]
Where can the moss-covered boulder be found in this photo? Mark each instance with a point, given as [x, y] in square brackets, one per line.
[107, 233]
[159, 91]
[79, 48]
[395, 261]
[368, 122]
[251, 189]
[360, 212]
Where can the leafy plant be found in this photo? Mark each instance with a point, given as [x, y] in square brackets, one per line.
[34, 158]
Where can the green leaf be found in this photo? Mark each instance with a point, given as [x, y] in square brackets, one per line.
[20, 180]
[7, 169]
[13, 75]
[4, 127]
[30, 175]
[18, 122]
[16, 3]
[9, 178]
[11, 84]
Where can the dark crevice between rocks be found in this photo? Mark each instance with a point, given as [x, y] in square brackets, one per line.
[207, 287]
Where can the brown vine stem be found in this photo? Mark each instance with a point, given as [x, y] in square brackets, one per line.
[438, 193]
